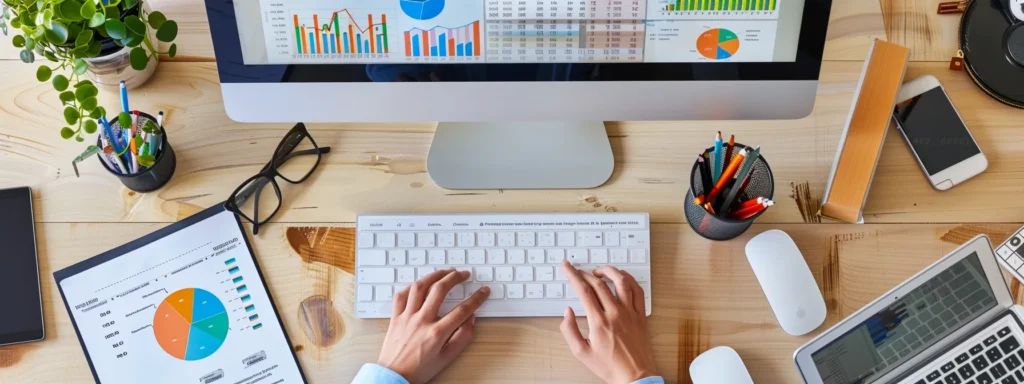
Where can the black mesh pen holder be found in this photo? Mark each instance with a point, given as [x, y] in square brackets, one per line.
[720, 228]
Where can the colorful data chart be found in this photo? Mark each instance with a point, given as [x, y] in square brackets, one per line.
[718, 44]
[422, 9]
[191, 324]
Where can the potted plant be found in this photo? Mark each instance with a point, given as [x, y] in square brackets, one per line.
[105, 40]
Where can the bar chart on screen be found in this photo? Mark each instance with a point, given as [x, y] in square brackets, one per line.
[713, 9]
[458, 44]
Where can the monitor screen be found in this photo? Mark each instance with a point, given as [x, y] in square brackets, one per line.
[284, 32]
[913, 323]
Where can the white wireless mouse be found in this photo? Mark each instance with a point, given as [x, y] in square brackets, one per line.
[786, 281]
[719, 365]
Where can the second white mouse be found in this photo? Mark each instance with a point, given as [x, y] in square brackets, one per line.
[719, 365]
[787, 282]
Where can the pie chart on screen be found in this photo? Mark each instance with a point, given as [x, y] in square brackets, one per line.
[718, 44]
[422, 9]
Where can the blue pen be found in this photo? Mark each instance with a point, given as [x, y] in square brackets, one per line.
[114, 142]
[124, 97]
[717, 171]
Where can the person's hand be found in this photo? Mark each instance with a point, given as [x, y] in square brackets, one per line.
[419, 344]
[619, 348]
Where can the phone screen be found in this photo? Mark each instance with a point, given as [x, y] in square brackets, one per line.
[19, 271]
[935, 131]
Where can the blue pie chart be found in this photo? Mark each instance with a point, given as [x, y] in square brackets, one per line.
[422, 9]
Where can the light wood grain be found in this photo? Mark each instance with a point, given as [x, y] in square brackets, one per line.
[916, 24]
[698, 284]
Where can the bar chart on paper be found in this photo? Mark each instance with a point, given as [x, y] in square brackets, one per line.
[713, 9]
[444, 44]
[341, 35]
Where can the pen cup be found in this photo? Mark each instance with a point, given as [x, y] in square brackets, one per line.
[713, 227]
[151, 178]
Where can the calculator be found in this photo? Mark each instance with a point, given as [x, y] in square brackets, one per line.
[1011, 256]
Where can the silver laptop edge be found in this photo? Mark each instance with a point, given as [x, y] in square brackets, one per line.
[993, 275]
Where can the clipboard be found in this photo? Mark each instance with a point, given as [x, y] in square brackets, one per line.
[156, 294]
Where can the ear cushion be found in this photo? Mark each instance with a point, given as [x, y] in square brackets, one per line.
[1015, 44]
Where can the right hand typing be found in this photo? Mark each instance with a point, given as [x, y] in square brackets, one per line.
[619, 348]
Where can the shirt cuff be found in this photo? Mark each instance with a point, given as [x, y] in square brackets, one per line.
[650, 380]
[375, 374]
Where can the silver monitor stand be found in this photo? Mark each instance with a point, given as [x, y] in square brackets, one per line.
[520, 155]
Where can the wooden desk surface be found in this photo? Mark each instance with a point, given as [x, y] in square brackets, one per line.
[704, 293]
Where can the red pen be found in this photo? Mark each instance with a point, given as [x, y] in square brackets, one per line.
[747, 213]
[750, 203]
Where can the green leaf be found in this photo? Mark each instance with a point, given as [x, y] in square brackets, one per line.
[129, 4]
[43, 73]
[82, 83]
[150, 127]
[66, 132]
[147, 160]
[85, 92]
[173, 50]
[50, 56]
[19, 41]
[47, 18]
[157, 19]
[80, 67]
[135, 24]
[84, 38]
[71, 115]
[80, 139]
[58, 33]
[132, 40]
[90, 104]
[72, 10]
[124, 119]
[138, 142]
[94, 49]
[30, 43]
[112, 11]
[67, 96]
[60, 83]
[27, 56]
[116, 29]
[90, 126]
[97, 113]
[139, 58]
[97, 20]
[28, 19]
[168, 31]
[79, 51]
[88, 9]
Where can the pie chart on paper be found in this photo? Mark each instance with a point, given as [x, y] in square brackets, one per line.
[718, 44]
[190, 324]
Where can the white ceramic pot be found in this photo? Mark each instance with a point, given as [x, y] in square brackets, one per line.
[109, 70]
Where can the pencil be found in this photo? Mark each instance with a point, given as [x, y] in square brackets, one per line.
[746, 213]
[727, 175]
[751, 203]
[743, 178]
[729, 149]
[699, 200]
[716, 170]
[705, 174]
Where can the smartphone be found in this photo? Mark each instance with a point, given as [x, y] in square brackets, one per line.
[938, 137]
[19, 269]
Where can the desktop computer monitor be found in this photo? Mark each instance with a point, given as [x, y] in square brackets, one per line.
[521, 87]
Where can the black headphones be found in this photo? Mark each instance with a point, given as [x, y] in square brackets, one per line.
[1014, 37]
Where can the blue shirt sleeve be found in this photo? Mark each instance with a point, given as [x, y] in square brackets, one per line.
[650, 380]
[375, 374]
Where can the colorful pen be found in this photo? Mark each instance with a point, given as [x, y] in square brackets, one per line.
[124, 97]
[716, 171]
[748, 212]
[729, 149]
[727, 175]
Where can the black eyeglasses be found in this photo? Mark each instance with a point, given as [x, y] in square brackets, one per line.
[294, 160]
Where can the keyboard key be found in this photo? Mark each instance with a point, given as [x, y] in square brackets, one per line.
[485, 239]
[396, 257]
[638, 256]
[504, 273]
[566, 239]
[1008, 380]
[952, 379]
[534, 291]
[1015, 262]
[1020, 376]
[993, 354]
[589, 239]
[425, 240]
[1009, 344]
[506, 239]
[466, 239]
[966, 371]
[619, 256]
[446, 240]
[406, 275]
[477, 256]
[526, 239]
[483, 274]
[997, 371]
[535, 256]
[524, 273]
[570, 293]
[457, 257]
[578, 256]
[948, 367]
[976, 349]
[555, 256]
[990, 340]
[383, 293]
[418, 257]
[546, 239]
[637, 239]
[647, 290]
[1012, 362]
[1004, 252]
[465, 269]
[422, 272]
[979, 363]
[518, 256]
[641, 274]
[1003, 332]
[376, 275]
[599, 256]
[515, 291]
[611, 239]
[920, 382]
[372, 257]
[364, 293]
[436, 256]
[553, 291]
[472, 288]
[962, 358]
[495, 256]
[935, 375]
[984, 378]
[497, 291]
[545, 274]
[365, 240]
[560, 274]
[386, 240]
[458, 292]
[406, 240]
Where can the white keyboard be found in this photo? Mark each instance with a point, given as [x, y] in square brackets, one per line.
[517, 255]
